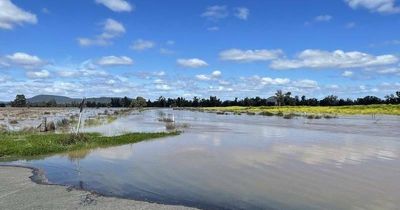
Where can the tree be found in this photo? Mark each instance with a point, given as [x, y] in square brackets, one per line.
[125, 102]
[195, 102]
[280, 97]
[19, 101]
[329, 101]
[161, 102]
[139, 102]
[367, 100]
[115, 102]
[51, 103]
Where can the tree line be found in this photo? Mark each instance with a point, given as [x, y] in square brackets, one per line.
[279, 99]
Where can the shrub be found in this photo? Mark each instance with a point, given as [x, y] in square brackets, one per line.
[50, 126]
[74, 139]
[13, 121]
[266, 113]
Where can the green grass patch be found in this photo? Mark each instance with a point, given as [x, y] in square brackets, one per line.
[25, 144]
[381, 109]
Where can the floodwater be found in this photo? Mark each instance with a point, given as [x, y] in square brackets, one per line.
[243, 162]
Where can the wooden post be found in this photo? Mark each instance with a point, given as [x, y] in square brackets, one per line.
[80, 115]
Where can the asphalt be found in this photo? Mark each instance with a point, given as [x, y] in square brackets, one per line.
[19, 192]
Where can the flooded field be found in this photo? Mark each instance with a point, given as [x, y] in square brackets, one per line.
[17, 119]
[242, 162]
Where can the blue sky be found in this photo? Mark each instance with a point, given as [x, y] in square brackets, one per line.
[199, 48]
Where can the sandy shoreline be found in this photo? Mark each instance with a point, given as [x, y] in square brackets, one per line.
[19, 190]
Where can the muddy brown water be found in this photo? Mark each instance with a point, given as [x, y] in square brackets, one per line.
[243, 162]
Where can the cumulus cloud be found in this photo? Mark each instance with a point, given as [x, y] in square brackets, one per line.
[23, 60]
[250, 55]
[216, 73]
[117, 5]
[204, 77]
[215, 12]
[82, 73]
[337, 59]
[387, 70]
[191, 63]
[347, 73]
[38, 74]
[115, 61]
[380, 6]
[272, 81]
[141, 44]
[111, 30]
[242, 13]
[258, 81]
[11, 15]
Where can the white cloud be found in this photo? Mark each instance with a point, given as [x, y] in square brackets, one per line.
[191, 63]
[388, 71]
[24, 60]
[306, 83]
[242, 13]
[250, 55]
[203, 77]
[158, 81]
[117, 5]
[215, 12]
[11, 15]
[216, 73]
[213, 76]
[68, 73]
[272, 81]
[4, 78]
[347, 73]
[38, 74]
[323, 18]
[59, 87]
[337, 59]
[163, 87]
[141, 44]
[114, 61]
[111, 30]
[380, 6]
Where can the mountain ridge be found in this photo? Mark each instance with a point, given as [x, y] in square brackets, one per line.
[66, 100]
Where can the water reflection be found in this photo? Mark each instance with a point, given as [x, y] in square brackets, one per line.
[244, 162]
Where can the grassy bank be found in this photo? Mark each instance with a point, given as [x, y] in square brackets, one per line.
[330, 110]
[20, 144]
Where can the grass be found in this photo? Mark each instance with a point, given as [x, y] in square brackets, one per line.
[312, 110]
[26, 144]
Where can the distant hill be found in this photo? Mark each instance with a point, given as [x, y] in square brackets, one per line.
[47, 98]
[64, 99]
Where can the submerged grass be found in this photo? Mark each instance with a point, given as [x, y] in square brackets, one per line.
[313, 110]
[25, 144]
